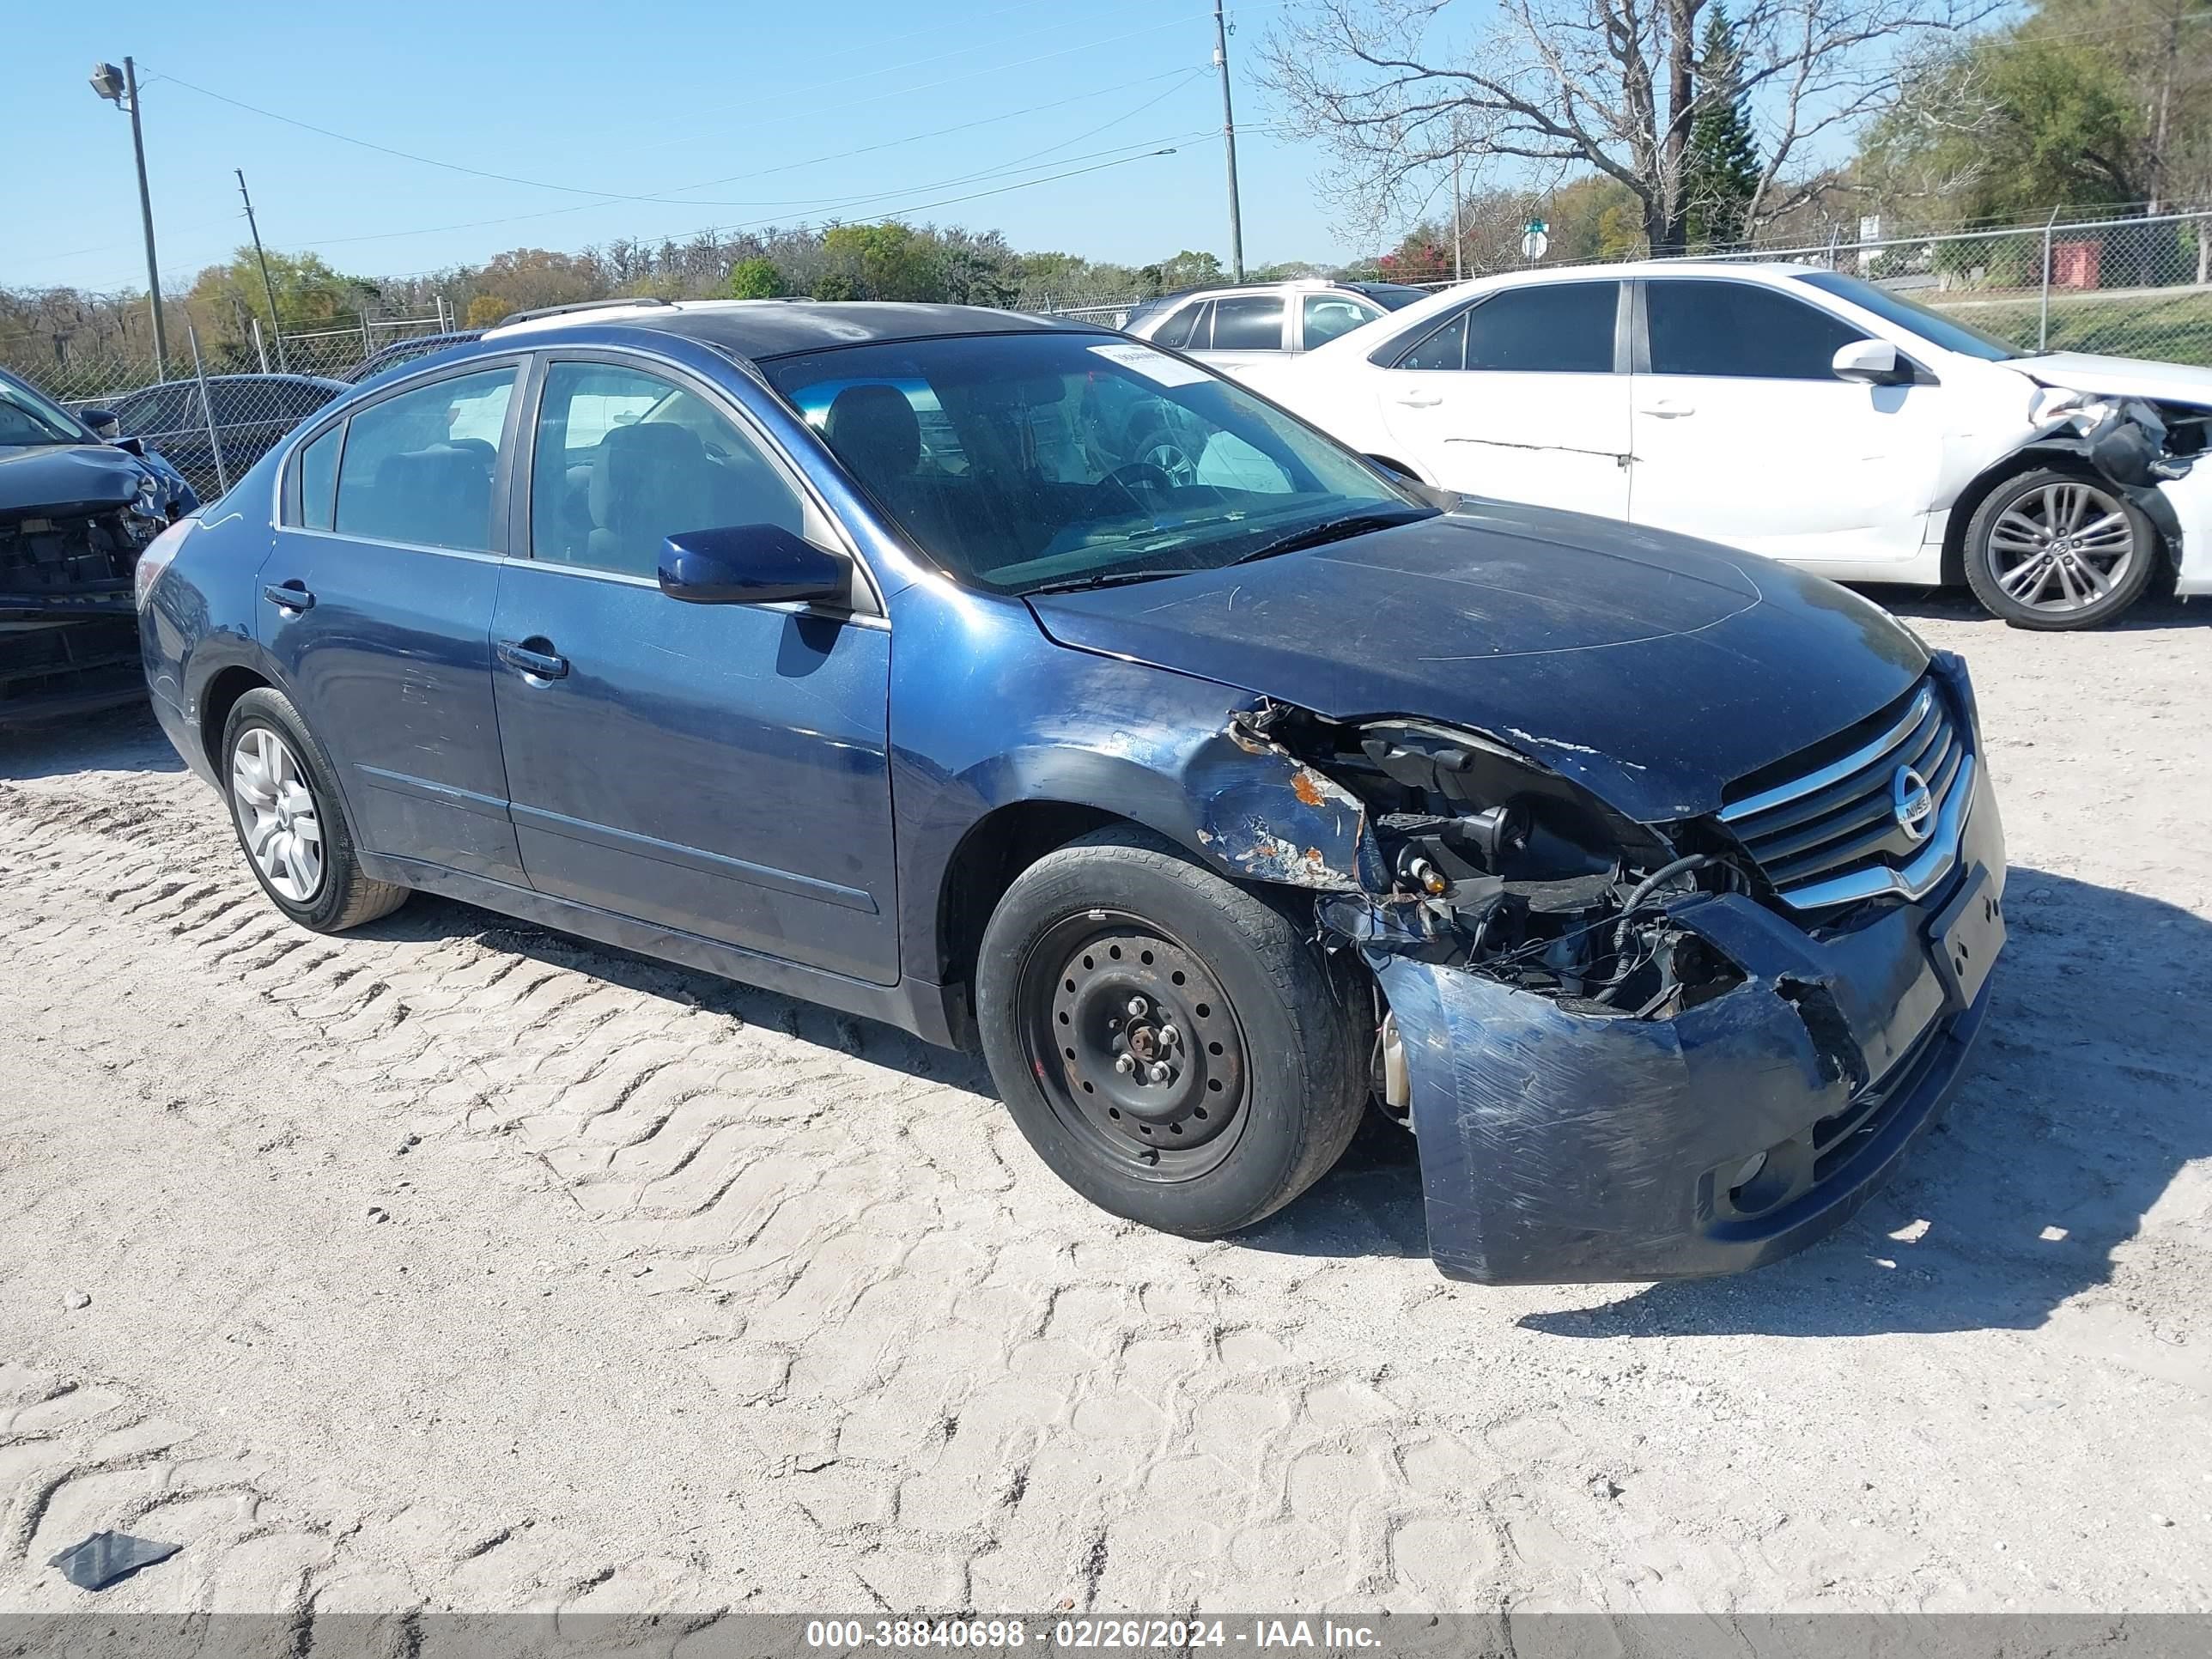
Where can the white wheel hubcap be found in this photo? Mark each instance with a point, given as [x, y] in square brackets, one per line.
[276, 812]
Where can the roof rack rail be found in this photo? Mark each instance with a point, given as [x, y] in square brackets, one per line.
[579, 305]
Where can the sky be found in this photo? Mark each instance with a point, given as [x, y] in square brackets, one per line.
[726, 112]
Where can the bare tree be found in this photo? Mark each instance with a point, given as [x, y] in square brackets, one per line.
[1557, 86]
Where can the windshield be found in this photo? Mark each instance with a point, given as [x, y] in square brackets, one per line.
[1392, 295]
[1022, 461]
[28, 418]
[1929, 325]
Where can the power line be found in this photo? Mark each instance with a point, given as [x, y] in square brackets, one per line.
[622, 195]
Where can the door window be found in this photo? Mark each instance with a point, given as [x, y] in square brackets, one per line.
[297, 399]
[1252, 322]
[1738, 330]
[1548, 328]
[1188, 329]
[623, 460]
[1445, 349]
[166, 409]
[418, 467]
[318, 473]
[1328, 315]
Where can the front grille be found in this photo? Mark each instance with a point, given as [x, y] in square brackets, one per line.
[1834, 832]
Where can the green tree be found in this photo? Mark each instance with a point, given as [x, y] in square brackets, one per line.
[2073, 105]
[1720, 167]
[484, 310]
[886, 261]
[1189, 269]
[756, 278]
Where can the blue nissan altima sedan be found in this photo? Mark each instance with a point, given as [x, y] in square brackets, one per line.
[1016, 683]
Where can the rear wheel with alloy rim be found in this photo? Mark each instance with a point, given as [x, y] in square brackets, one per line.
[2058, 551]
[284, 804]
[1170, 1043]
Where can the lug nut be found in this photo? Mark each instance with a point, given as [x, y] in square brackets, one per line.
[1136, 1006]
[1160, 1073]
[1124, 1065]
[1169, 1036]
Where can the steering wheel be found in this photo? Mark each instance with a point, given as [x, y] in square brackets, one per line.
[1133, 477]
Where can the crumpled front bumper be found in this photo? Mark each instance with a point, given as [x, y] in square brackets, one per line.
[1557, 1147]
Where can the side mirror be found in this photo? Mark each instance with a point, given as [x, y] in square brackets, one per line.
[752, 564]
[102, 423]
[1872, 362]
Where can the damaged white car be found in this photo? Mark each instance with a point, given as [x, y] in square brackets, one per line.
[1797, 412]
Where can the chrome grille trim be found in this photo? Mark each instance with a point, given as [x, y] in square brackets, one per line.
[1839, 814]
[1838, 770]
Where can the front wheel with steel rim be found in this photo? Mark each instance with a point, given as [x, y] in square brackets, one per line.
[1167, 1042]
[2056, 550]
[282, 803]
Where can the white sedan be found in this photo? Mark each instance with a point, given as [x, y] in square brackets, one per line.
[1797, 412]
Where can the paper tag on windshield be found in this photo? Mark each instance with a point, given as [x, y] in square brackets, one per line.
[1154, 366]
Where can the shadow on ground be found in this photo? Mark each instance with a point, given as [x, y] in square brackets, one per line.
[1957, 604]
[2083, 1105]
[123, 739]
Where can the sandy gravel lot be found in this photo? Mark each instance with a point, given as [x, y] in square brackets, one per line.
[459, 1265]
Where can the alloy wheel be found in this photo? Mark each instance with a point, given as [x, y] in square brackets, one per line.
[277, 814]
[2062, 546]
[1136, 1045]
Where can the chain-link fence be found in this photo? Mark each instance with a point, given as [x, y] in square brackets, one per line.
[218, 406]
[2128, 288]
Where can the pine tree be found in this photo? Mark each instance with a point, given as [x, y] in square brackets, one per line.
[1720, 167]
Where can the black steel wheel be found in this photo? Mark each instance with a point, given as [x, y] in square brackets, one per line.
[1136, 1045]
[1171, 1043]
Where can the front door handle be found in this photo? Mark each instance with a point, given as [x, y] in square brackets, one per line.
[538, 665]
[1420, 400]
[1670, 408]
[292, 595]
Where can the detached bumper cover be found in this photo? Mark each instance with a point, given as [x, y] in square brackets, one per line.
[1557, 1147]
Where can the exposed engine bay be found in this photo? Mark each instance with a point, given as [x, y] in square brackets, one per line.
[44, 561]
[1484, 861]
[68, 634]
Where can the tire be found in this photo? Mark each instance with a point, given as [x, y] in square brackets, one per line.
[1267, 1066]
[283, 796]
[2054, 550]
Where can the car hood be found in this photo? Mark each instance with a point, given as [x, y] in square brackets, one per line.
[2120, 377]
[1651, 668]
[45, 479]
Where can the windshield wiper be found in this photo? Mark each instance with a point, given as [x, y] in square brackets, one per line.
[1334, 530]
[1107, 579]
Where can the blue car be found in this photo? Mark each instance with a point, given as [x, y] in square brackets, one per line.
[885, 656]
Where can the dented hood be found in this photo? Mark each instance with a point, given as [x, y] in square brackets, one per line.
[55, 480]
[1648, 667]
[2118, 377]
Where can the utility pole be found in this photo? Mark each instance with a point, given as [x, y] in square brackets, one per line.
[1229, 145]
[122, 89]
[275, 323]
[1459, 265]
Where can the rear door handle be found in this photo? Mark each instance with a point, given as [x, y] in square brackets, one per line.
[1670, 408]
[1420, 400]
[538, 665]
[292, 595]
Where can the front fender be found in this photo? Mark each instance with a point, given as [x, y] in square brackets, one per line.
[987, 713]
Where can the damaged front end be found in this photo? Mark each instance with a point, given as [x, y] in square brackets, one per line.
[69, 636]
[1623, 1053]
